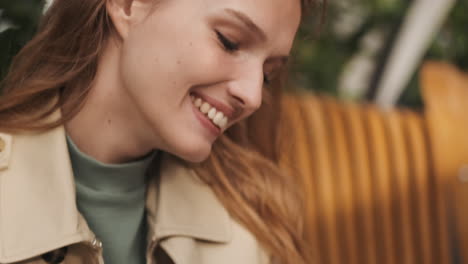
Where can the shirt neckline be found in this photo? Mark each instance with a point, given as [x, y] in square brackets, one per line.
[105, 177]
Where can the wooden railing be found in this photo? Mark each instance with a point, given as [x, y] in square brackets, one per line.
[384, 187]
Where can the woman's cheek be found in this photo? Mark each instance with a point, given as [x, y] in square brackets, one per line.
[211, 65]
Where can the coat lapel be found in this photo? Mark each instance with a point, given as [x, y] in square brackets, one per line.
[185, 212]
[37, 198]
[187, 207]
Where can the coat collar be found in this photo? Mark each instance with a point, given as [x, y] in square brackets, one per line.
[187, 206]
[38, 210]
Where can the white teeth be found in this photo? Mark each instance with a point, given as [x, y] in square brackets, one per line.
[212, 113]
[217, 117]
[198, 102]
[205, 108]
[223, 122]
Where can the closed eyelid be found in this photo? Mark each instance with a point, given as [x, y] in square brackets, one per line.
[227, 42]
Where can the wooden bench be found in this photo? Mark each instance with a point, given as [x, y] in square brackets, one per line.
[384, 187]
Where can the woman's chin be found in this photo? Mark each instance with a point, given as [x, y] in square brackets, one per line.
[195, 155]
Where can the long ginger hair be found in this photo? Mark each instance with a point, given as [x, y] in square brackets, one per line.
[55, 70]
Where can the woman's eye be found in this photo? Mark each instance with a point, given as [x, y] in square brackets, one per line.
[228, 44]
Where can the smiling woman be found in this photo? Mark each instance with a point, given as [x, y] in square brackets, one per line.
[141, 123]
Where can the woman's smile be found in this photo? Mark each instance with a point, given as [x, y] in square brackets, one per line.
[212, 114]
[206, 122]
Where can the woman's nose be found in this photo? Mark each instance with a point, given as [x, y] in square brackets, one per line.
[247, 89]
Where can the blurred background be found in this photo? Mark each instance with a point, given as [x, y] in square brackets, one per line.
[363, 41]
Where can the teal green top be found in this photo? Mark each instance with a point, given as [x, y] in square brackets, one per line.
[111, 197]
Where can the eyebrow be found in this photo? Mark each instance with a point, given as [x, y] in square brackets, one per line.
[255, 29]
[247, 22]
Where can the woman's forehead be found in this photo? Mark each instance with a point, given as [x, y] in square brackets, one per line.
[260, 11]
[277, 20]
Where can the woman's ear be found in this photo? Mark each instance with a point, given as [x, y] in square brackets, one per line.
[125, 13]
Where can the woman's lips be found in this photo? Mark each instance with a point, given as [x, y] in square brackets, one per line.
[206, 122]
[217, 117]
[227, 110]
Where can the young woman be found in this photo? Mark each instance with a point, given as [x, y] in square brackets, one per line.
[124, 135]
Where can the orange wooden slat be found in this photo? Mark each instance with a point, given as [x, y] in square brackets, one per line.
[345, 197]
[362, 180]
[418, 157]
[400, 171]
[381, 173]
[316, 130]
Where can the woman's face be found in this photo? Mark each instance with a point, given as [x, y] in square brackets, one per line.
[193, 68]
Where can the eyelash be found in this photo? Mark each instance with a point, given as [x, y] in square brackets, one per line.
[231, 46]
[228, 44]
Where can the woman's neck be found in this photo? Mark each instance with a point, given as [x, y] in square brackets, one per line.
[108, 127]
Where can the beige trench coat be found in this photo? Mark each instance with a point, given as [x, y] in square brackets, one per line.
[40, 223]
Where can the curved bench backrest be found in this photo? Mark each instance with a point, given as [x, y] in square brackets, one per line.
[445, 91]
[377, 182]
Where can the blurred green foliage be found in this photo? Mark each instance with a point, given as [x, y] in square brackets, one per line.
[319, 58]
